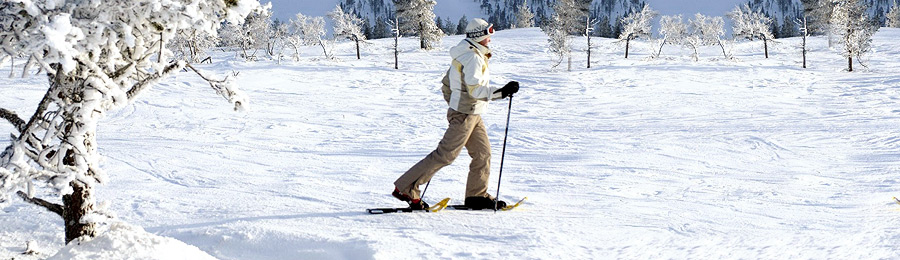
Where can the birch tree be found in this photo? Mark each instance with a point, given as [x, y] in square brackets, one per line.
[851, 23]
[97, 57]
[750, 25]
[637, 25]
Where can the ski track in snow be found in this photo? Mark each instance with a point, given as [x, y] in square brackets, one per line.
[631, 159]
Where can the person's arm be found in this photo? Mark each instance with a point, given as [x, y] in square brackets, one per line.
[476, 83]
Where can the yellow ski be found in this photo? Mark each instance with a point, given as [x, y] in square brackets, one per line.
[439, 206]
[897, 200]
[510, 207]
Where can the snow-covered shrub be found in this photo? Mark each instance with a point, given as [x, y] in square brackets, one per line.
[98, 56]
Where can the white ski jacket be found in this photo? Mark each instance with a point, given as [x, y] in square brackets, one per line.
[466, 85]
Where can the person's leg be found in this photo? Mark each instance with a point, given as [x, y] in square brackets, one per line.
[448, 149]
[479, 148]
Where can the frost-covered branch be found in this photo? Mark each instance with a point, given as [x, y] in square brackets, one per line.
[13, 119]
[225, 88]
[52, 207]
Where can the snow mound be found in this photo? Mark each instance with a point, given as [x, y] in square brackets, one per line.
[123, 241]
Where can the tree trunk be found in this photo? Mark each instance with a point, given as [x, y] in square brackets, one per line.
[804, 50]
[76, 206]
[357, 48]
[850, 62]
[766, 47]
[627, 44]
[422, 35]
[588, 51]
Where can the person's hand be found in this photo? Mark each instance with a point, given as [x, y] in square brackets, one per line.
[509, 89]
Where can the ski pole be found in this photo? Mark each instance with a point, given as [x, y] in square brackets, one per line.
[503, 153]
[422, 197]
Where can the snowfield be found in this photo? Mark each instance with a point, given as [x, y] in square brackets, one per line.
[631, 159]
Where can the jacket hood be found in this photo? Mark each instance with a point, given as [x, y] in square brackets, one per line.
[465, 46]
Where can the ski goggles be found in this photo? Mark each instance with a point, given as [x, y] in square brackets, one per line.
[488, 31]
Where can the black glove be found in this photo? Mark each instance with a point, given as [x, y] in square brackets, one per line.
[510, 88]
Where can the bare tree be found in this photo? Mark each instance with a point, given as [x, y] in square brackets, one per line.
[804, 32]
[89, 74]
[588, 30]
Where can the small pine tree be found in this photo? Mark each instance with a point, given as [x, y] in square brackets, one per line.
[461, 26]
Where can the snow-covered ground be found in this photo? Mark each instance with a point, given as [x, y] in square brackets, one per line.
[633, 159]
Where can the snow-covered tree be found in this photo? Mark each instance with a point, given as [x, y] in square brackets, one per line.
[191, 45]
[566, 20]
[524, 16]
[98, 56]
[893, 16]
[255, 31]
[851, 22]
[750, 25]
[347, 25]
[704, 30]
[637, 25]
[672, 29]
[306, 30]
[417, 17]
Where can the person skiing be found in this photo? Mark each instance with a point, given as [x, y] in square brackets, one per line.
[467, 90]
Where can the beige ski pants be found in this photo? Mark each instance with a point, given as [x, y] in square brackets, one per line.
[464, 131]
